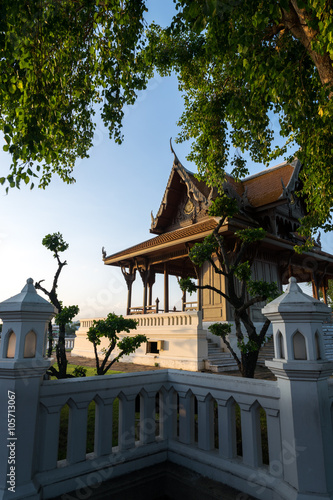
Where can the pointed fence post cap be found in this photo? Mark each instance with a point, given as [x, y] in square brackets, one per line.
[27, 300]
[294, 301]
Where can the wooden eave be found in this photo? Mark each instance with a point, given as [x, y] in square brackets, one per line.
[165, 242]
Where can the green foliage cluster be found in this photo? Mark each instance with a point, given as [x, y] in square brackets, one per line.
[220, 329]
[201, 252]
[55, 243]
[223, 206]
[109, 328]
[60, 60]
[250, 235]
[80, 371]
[187, 285]
[248, 346]
[268, 291]
[242, 271]
[238, 63]
[65, 316]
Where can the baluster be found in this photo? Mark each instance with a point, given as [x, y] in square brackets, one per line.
[186, 418]
[205, 423]
[147, 418]
[126, 422]
[274, 442]
[103, 426]
[227, 429]
[251, 438]
[77, 431]
[49, 437]
[168, 414]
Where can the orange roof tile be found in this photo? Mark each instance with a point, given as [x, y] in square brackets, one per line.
[266, 187]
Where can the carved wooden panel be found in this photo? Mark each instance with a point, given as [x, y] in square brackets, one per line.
[213, 304]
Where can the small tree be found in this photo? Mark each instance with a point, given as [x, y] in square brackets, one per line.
[56, 244]
[241, 291]
[109, 328]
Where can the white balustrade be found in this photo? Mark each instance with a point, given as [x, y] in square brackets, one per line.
[193, 424]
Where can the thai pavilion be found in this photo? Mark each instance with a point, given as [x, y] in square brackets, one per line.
[179, 338]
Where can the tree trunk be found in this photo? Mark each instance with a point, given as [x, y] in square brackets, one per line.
[61, 352]
[249, 362]
[50, 338]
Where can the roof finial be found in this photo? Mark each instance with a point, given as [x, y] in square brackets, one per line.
[175, 161]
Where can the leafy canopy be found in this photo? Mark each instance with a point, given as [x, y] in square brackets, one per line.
[238, 64]
[55, 242]
[109, 328]
[60, 60]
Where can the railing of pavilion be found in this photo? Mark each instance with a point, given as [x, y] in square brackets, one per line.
[154, 309]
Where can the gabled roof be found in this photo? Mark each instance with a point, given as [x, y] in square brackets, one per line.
[270, 186]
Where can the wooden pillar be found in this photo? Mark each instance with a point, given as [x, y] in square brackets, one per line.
[166, 288]
[144, 273]
[151, 282]
[315, 285]
[324, 292]
[129, 278]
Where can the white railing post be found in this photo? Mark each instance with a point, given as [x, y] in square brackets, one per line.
[104, 427]
[302, 371]
[126, 438]
[186, 417]
[48, 437]
[205, 423]
[251, 442]
[77, 431]
[274, 442]
[22, 366]
[147, 417]
[168, 414]
[227, 429]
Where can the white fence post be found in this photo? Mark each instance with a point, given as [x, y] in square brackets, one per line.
[22, 365]
[302, 371]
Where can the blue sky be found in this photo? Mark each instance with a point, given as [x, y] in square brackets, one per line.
[109, 205]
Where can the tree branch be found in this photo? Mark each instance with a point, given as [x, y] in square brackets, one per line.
[209, 287]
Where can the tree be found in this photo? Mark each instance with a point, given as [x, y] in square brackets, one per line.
[56, 244]
[109, 328]
[241, 292]
[240, 62]
[237, 64]
[59, 61]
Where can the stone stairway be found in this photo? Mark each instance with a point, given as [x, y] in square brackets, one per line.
[218, 360]
[266, 352]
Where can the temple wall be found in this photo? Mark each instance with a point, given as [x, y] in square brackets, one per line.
[178, 337]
